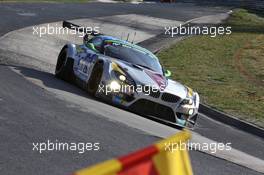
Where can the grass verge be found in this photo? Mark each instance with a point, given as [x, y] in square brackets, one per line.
[227, 71]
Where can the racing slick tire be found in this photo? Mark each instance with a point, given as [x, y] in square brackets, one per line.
[64, 66]
[95, 78]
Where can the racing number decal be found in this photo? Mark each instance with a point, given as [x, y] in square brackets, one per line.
[85, 69]
[85, 62]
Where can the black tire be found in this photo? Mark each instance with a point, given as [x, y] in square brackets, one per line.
[64, 66]
[95, 78]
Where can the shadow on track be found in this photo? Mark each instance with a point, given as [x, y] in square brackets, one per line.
[50, 81]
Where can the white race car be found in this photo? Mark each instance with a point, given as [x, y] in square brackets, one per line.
[127, 75]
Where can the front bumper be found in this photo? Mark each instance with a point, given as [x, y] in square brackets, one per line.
[162, 106]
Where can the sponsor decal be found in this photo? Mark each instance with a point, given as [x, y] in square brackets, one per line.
[159, 79]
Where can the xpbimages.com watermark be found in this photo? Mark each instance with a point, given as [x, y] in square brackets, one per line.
[115, 87]
[79, 147]
[212, 147]
[59, 30]
[212, 31]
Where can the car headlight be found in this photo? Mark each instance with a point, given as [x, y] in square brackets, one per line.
[121, 75]
[187, 101]
[122, 78]
[191, 111]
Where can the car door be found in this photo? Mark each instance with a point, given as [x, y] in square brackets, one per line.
[85, 62]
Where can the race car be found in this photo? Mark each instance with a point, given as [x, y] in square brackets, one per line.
[127, 75]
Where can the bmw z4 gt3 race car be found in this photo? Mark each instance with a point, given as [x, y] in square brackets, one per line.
[127, 75]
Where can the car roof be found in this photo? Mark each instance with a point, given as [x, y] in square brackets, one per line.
[120, 41]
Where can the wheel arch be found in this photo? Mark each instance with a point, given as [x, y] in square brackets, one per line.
[71, 50]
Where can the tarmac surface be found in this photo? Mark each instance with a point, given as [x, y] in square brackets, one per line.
[30, 114]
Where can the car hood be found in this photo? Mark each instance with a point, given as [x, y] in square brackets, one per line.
[143, 76]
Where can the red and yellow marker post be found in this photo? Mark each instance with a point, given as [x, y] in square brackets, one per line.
[153, 160]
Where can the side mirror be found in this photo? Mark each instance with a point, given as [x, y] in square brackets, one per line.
[167, 73]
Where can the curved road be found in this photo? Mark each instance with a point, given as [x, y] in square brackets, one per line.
[29, 113]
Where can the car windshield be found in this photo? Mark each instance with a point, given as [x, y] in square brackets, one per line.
[134, 56]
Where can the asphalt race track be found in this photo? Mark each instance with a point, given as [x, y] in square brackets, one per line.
[29, 113]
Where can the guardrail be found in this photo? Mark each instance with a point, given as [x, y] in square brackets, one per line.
[162, 158]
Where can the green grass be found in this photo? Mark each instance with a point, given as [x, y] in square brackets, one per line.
[212, 66]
